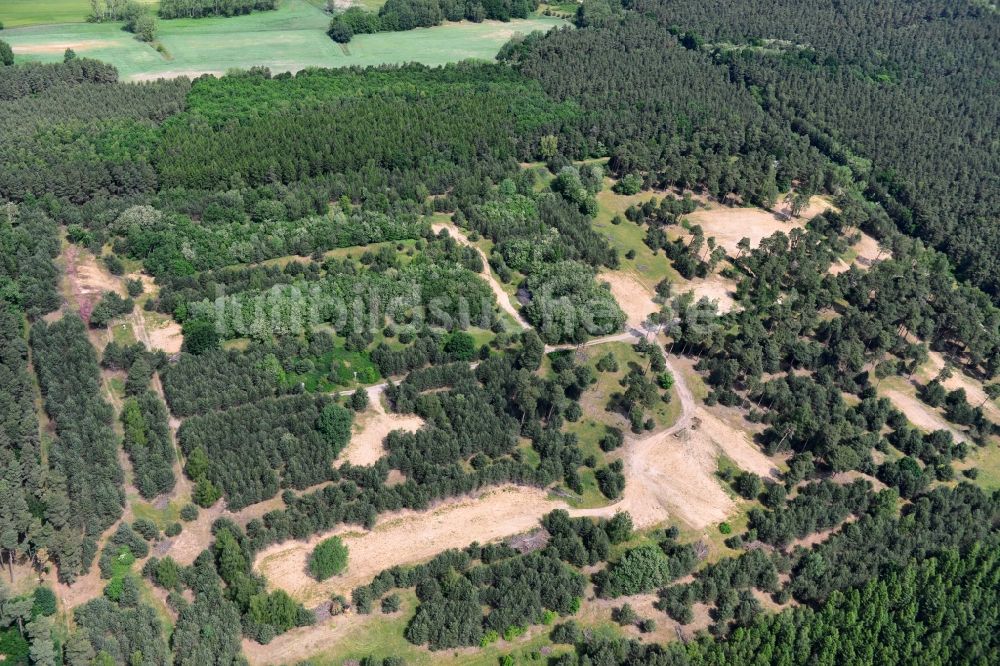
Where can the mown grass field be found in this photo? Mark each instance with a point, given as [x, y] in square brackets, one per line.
[18, 13]
[288, 39]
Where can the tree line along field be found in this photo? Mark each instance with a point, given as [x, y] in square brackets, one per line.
[20, 13]
[287, 39]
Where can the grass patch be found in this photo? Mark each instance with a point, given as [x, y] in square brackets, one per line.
[986, 459]
[595, 400]
[162, 517]
[288, 39]
[19, 13]
[646, 267]
[335, 370]
[122, 333]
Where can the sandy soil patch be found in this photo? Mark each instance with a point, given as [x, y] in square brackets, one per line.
[60, 47]
[974, 392]
[919, 414]
[598, 611]
[631, 295]
[730, 224]
[866, 252]
[86, 280]
[714, 288]
[297, 644]
[673, 473]
[372, 427]
[164, 334]
[405, 537]
[817, 205]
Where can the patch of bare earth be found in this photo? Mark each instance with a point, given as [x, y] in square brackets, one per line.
[866, 252]
[920, 414]
[297, 644]
[405, 537]
[714, 288]
[632, 296]
[163, 334]
[60, 47]
[731, 224]
[86, 280]
[366, 445]
[974, 391]
[673, 473]
[598, 611]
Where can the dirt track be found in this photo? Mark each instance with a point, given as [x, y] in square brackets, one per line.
[503, 298]
[366, 445]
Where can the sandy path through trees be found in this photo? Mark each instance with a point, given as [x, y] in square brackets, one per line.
[366, 445]
[503, 298]
[406, 537]
[670, 473]
[921, 415]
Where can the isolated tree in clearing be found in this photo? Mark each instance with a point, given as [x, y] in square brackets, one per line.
[329, 558]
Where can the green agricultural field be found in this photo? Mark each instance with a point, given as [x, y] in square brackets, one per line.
[18, 13]
[288, 39]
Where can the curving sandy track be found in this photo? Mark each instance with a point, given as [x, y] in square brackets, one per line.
[366, 445]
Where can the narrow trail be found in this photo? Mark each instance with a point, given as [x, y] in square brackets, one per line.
[503, 298]
[182, 487]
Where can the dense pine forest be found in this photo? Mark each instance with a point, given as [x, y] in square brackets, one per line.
[437, 239]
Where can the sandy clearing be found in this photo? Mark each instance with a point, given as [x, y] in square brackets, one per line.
[673, 473]
[923, 416]
[405, 537]
[60, 47]
[85, 280]
[731, 224]
[297, 644]
[714, 288]
[598, 610]
[366, 445]
[632, 296]
[503, 298]
[866, 252]
[974, 391]
[166, 336]
[817, 205]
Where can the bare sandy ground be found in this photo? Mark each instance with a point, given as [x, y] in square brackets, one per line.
[672, 474]
[973, 389]
[714, 288]
[919, 414]
[165, 335]
[867, 252]
[60, 47]
[632, 296]
[297, 644]
[84, 280]
[730, 224]
[406, 537]
[597, 610]
[366, 445]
